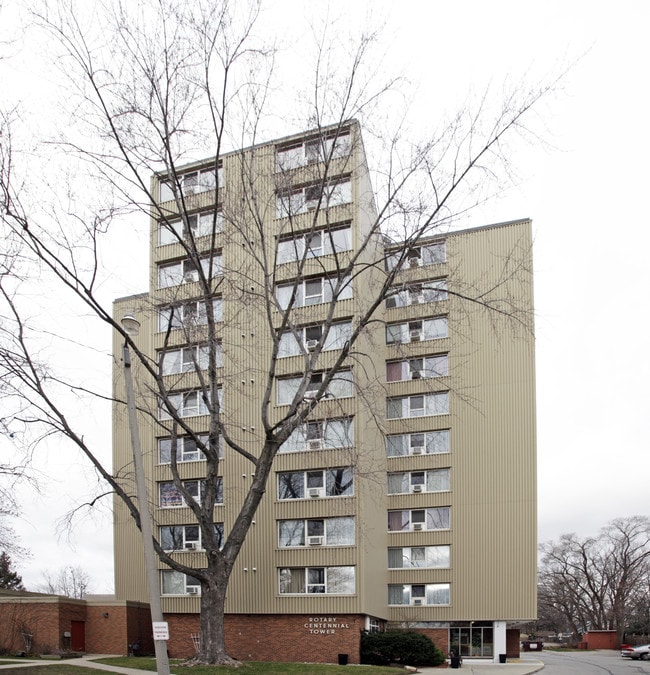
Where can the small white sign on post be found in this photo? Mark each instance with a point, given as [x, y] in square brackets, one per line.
[160, 630]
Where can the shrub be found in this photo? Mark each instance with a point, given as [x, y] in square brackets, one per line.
[399, 646]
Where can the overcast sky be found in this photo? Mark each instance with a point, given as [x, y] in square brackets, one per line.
[586, 191]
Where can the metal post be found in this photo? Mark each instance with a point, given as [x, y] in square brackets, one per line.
[162, 660]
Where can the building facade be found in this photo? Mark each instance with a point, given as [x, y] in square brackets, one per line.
[408, 497]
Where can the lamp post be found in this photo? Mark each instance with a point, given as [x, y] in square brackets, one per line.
[132, 327]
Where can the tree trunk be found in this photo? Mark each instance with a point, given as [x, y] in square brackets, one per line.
[212, 649]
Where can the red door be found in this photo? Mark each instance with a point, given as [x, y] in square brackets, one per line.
[78, 636]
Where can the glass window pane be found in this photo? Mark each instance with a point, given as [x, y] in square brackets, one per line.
[339, 482]
[291, 485]
[291, 533]
[340, 580]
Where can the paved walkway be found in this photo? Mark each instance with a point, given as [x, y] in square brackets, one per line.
[83, 662]
[515, 667]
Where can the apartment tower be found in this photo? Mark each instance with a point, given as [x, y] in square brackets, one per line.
[408, 497]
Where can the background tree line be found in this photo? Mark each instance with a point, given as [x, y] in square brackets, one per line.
[597, 583]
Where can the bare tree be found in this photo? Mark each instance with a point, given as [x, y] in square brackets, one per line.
[173, 80]
[72, 581]
[594, 583]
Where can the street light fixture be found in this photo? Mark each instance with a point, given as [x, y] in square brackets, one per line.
[131, 327]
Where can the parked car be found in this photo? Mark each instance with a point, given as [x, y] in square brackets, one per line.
[642, 652]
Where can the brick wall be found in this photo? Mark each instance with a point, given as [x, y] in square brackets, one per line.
[110, 629]
[255, 637]
[512, 643]
[439, 637]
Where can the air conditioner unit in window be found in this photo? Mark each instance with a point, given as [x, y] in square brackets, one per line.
[416, 336]
[314, 541]
[311, 344]
[190, 277]
[192, 590]
[417, 450]
[311, 393]
[415, 261]
[191, 545]
[417, 601]
[315, 444]
[315, 492]
[417, 374]
[418, 526]
[419, 300]
[417, 488]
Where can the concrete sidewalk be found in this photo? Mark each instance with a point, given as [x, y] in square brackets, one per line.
[83, 662]
[513, 667]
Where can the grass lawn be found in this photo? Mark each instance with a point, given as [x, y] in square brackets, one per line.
[64, 668]
[252, 668]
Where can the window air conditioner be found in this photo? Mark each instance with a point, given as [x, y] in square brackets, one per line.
[415, 261]
[417, 374]
[314, 541]
[189, 277]
[417, 450]
[311, 344]
[419, 300]
[315, 444]
[191, 545]
[417, 488]
[416, 336]
[192, 590]
[417, 601]
[417, 526]
[315, 492]
[311, 393]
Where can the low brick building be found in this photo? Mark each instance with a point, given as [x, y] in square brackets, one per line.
[38, 622]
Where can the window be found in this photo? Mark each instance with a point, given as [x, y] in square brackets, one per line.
[188, 359]
[188, 315]
[316, 532]
[314, 150]
[428, 443]
[418, 406]
[171, 497]
[415, 294]
[435, 328]
[192, 182]
[186, 537]
[417, 369]
[418, 256]
[419, 519]
[185, 271]
[403, 482]
[337, 482]
[328, 580]
[341, 386]
[313, 291]
[419, 556]
[186, 449]
[184, 404]
[314, 244]
[419, 594]
[198, 224]
[306, 338]
[177, 583]
[293, 202]
[321, 434]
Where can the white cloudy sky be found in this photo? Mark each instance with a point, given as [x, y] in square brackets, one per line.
[586, 193]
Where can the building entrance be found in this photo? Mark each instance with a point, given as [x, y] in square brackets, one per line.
[472, 639]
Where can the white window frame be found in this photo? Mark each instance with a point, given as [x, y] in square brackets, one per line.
[405, 482]
[189, 583]
[433, 253]
[424, 592]
[300, 340]
[425, 516]
[305, 531]
[336, 192]
[434, 557]
[429, 446]
[200, 224]
[420, 367]
[341, 386]
[315, 587]
[187, 315]
[192, 182]
[434, 403]
[422, 292]
[321, 480]
[312, 150]
[332, 240]
[167, 488]
[185, 272]
[283, 292]
[185, 359]
[432, 328]
[321, 435]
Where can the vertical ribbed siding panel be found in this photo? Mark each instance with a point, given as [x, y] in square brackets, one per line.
[493, 427]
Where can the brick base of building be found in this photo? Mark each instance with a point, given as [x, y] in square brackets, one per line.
[299, 638]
